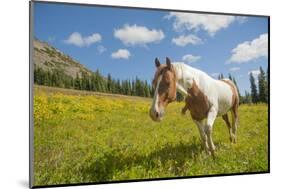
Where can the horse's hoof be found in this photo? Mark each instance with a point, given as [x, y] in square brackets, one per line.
[232, 140]
[208, 152]
[213, 155]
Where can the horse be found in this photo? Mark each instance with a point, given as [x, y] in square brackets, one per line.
[206, 98]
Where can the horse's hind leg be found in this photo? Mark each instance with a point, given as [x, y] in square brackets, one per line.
[225, 118]
[234, 114]
[184, 109]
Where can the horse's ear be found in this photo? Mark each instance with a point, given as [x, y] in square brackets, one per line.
[168, 62]
[157, 62]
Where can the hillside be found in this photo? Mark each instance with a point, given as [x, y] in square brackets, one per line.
[56, 69]
[49, 58]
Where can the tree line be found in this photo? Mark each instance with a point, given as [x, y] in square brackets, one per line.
[94, 81]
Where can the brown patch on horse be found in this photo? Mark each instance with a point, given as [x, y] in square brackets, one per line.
[197, 103]
[235, 96]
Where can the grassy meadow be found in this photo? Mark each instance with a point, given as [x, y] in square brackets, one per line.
[94, 137]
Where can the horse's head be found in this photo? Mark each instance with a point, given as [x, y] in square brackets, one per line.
[164, 83]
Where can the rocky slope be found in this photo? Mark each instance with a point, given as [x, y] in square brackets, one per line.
[49, 58]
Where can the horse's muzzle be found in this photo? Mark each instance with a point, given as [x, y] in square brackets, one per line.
[155, 115]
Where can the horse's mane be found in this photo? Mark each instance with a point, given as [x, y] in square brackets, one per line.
[183, 66]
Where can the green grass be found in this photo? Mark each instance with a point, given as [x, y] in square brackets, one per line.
[91, 137]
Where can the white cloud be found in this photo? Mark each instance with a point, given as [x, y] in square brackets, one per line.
[121, 53]
[250, 50]
[241, 19]
[234, 69]
[51, 39]
[194, 21]
[184, 40]
[215, 74]
[138, 35]
[255, 73]
[78, 40]
[101, 49]
[189, 58]
[239, 76]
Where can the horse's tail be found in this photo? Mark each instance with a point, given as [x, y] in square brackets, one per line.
[234, 109]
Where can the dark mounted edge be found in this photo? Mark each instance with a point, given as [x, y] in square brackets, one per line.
[152, 179]
[31, 79]
[132, 180]
[149, 8]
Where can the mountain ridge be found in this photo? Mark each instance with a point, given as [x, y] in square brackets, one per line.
[50, 59]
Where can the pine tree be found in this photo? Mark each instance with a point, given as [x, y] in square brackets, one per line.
[77, 82]
[72, 83]
[133, 88]
[93, 83]
[118, 87]
[109, 83]
[130, 87]
[230, 77]
[126, 87]
[146, 89]
[262, 86]
[266, 86]
[254, 92]
[84, 81]
[151, 91]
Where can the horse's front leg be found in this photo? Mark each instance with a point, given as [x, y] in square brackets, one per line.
[212, 114]
[184, 109]
[200, 126]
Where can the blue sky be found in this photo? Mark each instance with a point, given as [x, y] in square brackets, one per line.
[125, 42]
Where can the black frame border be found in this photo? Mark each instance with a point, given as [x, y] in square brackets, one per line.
[31, 123]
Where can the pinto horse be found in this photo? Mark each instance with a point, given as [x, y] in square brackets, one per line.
[206, 98]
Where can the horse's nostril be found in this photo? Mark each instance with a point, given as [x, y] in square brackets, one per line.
[156, 114]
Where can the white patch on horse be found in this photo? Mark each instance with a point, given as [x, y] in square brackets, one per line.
[224, 97]
[155, 102]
